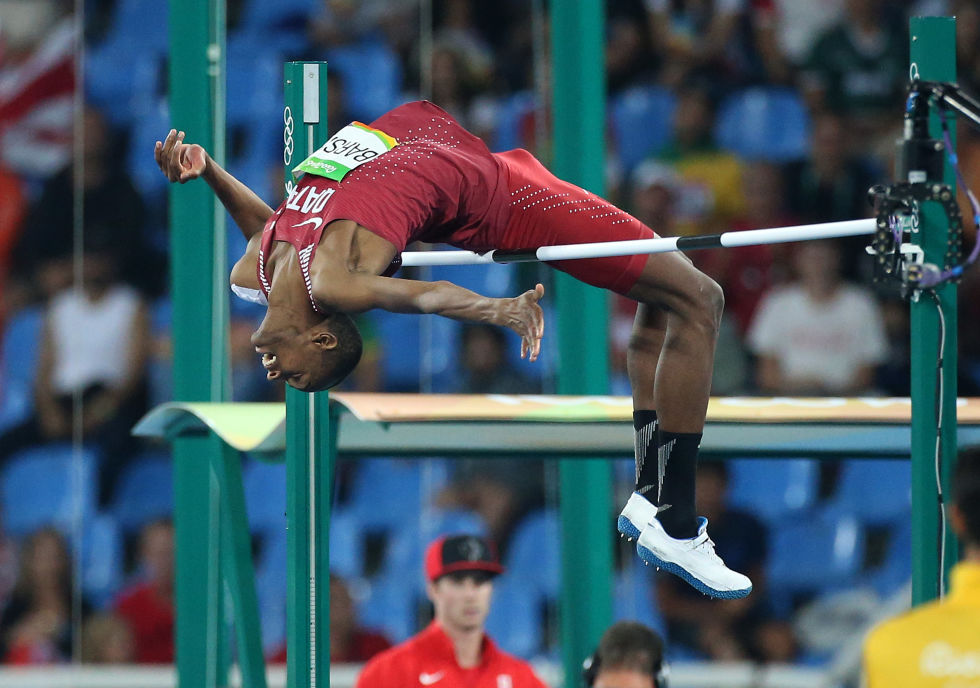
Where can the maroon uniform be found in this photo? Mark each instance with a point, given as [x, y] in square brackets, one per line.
[441, 184]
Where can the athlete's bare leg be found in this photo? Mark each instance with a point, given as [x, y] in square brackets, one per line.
[643, 354]
[670, 361]
[693, 303]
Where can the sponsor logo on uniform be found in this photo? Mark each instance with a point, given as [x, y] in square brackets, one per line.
[504, 681]
[315, 220]
[429, 679]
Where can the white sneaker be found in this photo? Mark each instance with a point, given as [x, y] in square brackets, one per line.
[635, 516]
[693, 559]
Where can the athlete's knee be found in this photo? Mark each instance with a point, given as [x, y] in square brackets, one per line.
[707, 302]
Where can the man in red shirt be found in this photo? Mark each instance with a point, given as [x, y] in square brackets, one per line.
[415, 174]
[454, 651]
[148, 606]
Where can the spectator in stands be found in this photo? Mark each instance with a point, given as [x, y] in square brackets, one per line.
[629, 655]
[12, 212]
[107, 639]
[629, 58]
[818, 335]
[721, 629]
[148, 605]
[454, 649]
[832, 185]
[859, 67]
[36, 626]
[114, 215]
[938, 644]
[349, 642]
[486, 369]
[728, 42]
[95, 343]
[799, 23]
[8, 564]
[710, 195]
[747, 272]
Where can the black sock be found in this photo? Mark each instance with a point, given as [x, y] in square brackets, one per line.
[645, 443]
[678, 455]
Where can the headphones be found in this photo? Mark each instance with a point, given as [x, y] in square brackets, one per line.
[592, 663]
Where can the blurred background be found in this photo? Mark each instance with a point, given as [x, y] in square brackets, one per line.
[722, 115]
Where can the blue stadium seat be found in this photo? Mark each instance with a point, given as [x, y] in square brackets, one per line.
[819, 552]
[160, 368]
[151, 122]
[516, 620]
[773, 488]
[19, 350]
[764, 124]
[145, 492]
[877, 491]
[372, 75]
[280, 25]
[403, 366]
[46, 486]
[513, 110]
[634, 596]
[270, 588]
[896, 569]
[642, 122]
[102, 559]
[385, 493]
[534, 555]
[346, 544]
[488, 280]
[127, 66]
[265, 495]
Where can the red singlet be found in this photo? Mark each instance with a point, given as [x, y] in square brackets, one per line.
[442, 185]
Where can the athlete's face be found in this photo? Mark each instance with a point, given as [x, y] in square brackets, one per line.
[462, 600]
[297, 361]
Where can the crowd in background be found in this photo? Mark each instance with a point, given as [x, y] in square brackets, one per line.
[704, 76]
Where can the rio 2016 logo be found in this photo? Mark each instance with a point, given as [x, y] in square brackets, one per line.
[287, 136]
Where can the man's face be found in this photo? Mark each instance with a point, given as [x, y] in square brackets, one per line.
[622, 678]
[290, 360]
[462, 599]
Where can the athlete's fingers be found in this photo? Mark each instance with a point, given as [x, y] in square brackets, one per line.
[523, 347]
[162, 150]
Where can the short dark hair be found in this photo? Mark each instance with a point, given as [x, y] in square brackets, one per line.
[632, 646]
[339, 362]
[966, 492]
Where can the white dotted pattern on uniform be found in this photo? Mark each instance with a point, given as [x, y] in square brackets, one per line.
[418, 144]
[524, 199]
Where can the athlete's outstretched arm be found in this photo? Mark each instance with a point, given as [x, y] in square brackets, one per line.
[360, 292]
[182, 162]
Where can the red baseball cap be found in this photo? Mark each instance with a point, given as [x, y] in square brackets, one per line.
[452, 553]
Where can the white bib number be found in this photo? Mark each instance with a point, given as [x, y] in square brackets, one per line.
[349, 148]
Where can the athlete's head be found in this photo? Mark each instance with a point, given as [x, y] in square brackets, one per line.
[965, 511]
[460, 571]
[314, 359]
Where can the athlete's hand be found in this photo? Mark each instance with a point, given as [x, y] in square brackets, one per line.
[523, 315]
[180, 162]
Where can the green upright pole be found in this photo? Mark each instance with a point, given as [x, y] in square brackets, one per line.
[933, 57]
[309, 461]
[200, 340]
[578, 102]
